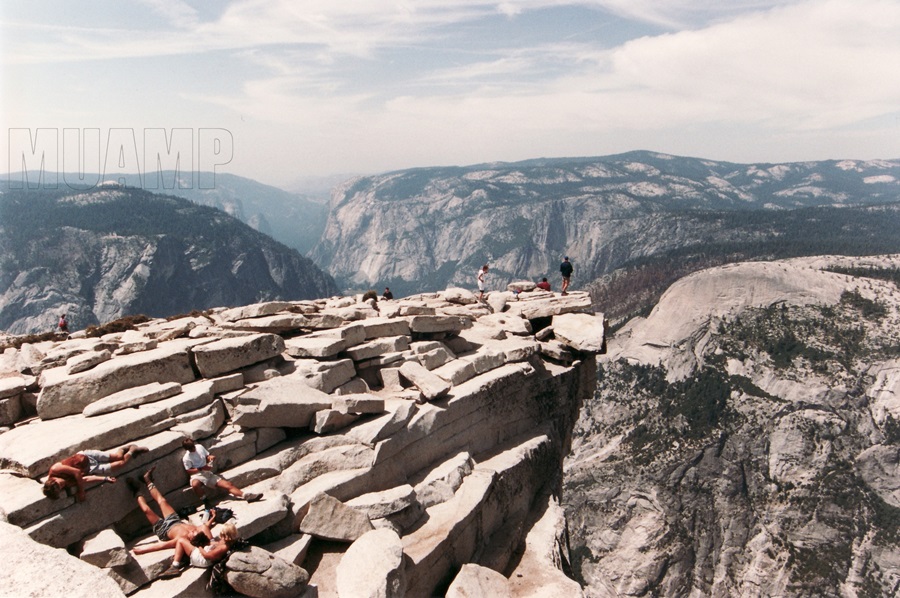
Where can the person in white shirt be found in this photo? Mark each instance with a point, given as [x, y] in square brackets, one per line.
[198, 463]
[480, 277]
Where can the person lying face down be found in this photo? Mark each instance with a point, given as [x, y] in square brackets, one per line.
[85, 467]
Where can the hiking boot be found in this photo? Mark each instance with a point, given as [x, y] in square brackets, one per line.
[174, 570]
[148, 475]
[133, 485]
[252, 496]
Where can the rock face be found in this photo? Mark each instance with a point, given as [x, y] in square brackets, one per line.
[102, 254]
[32, 569]
[743, 439]
[430, 228]
[378, 443]
[260, 574]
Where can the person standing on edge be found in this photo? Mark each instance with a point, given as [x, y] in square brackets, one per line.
[63, 324]
[566, 269]
[481, 273]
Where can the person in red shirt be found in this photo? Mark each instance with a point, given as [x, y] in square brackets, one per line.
[85, 467]
[543, 284]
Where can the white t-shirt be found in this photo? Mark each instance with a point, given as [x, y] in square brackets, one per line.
[195, 459]
[481, 280]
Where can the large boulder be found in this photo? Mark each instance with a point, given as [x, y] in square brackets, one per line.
[104, 549]
[331, 519]
[582, 332]
[475, 581]
[39, 571]
[230, 354]
[373, 567]
[64, 394]
[431, 385]
[133, 397]
[259, 573]
[287, 402]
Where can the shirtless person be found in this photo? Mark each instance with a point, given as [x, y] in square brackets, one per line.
[87, 466]
[202, 556]
[170, 528]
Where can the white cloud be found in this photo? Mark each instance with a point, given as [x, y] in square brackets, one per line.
[176, 12]
[356, 85]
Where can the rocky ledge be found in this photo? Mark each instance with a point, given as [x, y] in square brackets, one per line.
[409, 447]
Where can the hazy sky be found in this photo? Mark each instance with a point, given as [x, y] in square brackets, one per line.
[313, 88]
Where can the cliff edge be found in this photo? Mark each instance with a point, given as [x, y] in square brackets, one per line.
[409, 447]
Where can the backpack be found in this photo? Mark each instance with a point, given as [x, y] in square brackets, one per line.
[218, 582]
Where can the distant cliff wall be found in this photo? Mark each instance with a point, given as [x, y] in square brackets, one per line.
[98, 256]
[424, 229]
[743, 438]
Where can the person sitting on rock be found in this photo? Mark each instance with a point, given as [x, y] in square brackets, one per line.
[387, 295]
[168, 527]
[202, 556]
[544, 284]
[198, 463]
[87, 466]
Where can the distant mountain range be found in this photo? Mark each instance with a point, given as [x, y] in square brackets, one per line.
[113, 251]
[631, 223]
[426, 228]
[296, 219]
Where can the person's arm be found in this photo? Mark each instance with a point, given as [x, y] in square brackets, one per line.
[193, 470]
[206, 526]
[99, 478]
[145, 548]
[215, 552]
[60, 470]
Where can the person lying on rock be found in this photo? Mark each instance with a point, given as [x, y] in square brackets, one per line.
[168, 527]
[198, 463]
[87, 466]
[201, 556]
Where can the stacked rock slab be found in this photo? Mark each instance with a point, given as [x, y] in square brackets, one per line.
[433, 425]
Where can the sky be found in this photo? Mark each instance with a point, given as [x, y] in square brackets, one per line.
[281, 91]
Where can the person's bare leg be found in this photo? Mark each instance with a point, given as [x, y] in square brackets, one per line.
[148, 512]
[230, 488]
[198, 488]
[181, 560]
[164, 506]
[183, 549]
[118, 459]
